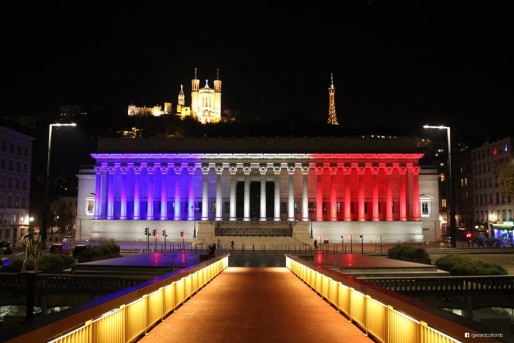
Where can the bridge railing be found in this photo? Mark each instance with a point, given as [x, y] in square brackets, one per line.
[385, 315]
[121, 316]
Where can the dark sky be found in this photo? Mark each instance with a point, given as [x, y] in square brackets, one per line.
[397, 65]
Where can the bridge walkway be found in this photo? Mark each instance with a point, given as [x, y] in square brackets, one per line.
[248, 304]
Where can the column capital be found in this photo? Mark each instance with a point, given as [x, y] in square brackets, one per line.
[124, 169]
[150, 169]
[191, 167]
[111, 170]
[177, 168]
[290, 169]
[232, 168]
[333, 169]
[416, 170]
[263, 169]
[99, 169]
[319, 169]
[247, 168]
[137, 169]
[361, 168]
[402, 170]
[276, 169]
[219, 169]
[205, 168]
[164, 169]
[375, 170]
[305, 169]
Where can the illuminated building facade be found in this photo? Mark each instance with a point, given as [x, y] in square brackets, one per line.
[318, 188]
[15, 174]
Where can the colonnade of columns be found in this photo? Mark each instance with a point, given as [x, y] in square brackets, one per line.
[311, 191]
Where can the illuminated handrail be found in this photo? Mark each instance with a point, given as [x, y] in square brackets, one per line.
[125, 315]
[385, 315]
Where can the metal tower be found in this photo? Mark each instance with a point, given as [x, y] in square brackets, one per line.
[332, 118]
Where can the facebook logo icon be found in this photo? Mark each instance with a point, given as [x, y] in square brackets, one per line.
[466, 334]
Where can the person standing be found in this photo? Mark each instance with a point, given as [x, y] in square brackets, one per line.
[232, 245]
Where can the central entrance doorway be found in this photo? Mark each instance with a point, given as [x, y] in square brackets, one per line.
[255, 200]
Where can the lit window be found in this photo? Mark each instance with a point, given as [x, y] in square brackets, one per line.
[90, 206]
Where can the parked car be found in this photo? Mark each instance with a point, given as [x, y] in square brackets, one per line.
[80, 248]
[5, 248]
[59, 248]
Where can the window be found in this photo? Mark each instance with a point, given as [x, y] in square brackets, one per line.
[296, 207]
[90, 206]
[425, 205]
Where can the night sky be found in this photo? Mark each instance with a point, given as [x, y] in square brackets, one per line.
[396, 66]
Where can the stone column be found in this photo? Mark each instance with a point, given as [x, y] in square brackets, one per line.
[319, 192]
[191, 192]
[333, 194]
[233, 186]
[149, 191]
[137, 199]
[276, 170]
[123, 195]
[305, 195]
[290, 192]
[205, 192]
[246, 170]
[110, 192]
[415, 194]
[389, 193]
[177, 201]
[164, 192]
[347, 193]
[98, 192]
[374, 201]
[361, 170]
[219, 200]
[262, 170]
[403, 193]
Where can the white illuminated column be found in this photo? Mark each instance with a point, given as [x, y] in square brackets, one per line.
[451, 212]
[47, 205]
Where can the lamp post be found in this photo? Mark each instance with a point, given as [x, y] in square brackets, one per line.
[450, 204]
[362, 244]
[47, 205]
[342, 245]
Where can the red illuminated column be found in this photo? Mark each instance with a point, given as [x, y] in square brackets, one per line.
[347, 194]
[219, 171]
[374, 203]
[164, 192]
[389, 193]
[110, 192]
[178, 172]
[319, 193]
[362, 184]
[403, 193]
[205, 192]
[305, 195]
[333, 207]
[276, 171]
[415, 194]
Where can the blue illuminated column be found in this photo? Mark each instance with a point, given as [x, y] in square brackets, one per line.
[149, 183]
[137, 198]
[98, 195]
[110, 192]
[178, 172]
[191, 193]
[205, 192]
[164, 192]
[123, 194]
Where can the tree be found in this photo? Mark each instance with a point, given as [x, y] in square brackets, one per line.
[505, 175]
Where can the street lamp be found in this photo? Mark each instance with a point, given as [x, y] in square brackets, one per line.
[451, 207]
[362, 244]
[47, 205]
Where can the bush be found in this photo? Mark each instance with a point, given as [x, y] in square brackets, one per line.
[107, 249]
[48, 263]
[464, 265]
[407, 252]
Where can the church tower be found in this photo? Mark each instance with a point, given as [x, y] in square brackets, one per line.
[217, 95]
[332, 118]
[195, 88]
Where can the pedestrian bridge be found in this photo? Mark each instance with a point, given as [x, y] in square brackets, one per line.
[213, 302]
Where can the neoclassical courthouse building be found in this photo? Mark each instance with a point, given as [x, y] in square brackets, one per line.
[257, 191]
